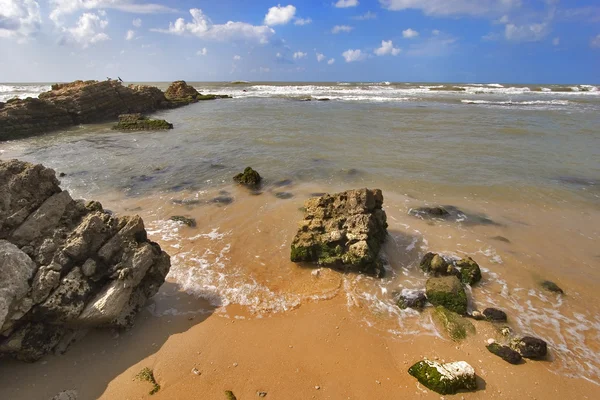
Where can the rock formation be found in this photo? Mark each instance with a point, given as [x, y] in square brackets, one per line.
[342, 230]
[137, 122]
[181, 93]
[249, 178]
[65, 264]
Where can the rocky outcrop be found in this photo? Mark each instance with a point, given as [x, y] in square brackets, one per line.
[249, 178]
[65, 264]
[446, 378]
[179, 92]
[138, 122]
[447, 292]
[342, 230]
[20, 118]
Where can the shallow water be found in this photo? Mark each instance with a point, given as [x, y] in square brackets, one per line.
[519, 164]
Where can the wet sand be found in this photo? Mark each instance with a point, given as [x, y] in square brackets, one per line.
[236, 309]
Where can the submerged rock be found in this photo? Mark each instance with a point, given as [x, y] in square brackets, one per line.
[342, 230]
[470, 273]
[448, 292]
[495, 315]
[446, 378]
[66, 265]
[504, 352]
[457, 327]
[138, 122]
[191, 222]
[432, 212]
[414, 299]
[436, 265]
[249, 178]
[552, 287]
[530, 347]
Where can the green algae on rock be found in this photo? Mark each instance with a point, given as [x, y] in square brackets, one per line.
[138, 122]
[447, 291]
[470, 273]
[342, 230]
[457, 327]
[504, 352]
[249, 178]
[434, 264]
[191, 222]
[446, 378]
[148, 375]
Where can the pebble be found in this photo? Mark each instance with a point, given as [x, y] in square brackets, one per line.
[261, 394]
[317, 387]
[196, 371]
[235, 364]
[377, 382]
[490, 341]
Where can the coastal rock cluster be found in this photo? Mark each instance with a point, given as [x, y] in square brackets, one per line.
[83, 102]
[66, 265]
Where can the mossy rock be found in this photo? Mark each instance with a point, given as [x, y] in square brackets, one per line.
[138, 122]
[504, 352]
[436, 265]
[448, 292]
[448, 378]
[326, 255]
[495, 315]
[249, 178]
[412, 299]
[552, 287]
[470, 273]
[457, 327]
[191, 222]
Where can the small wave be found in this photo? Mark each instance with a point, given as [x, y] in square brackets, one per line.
[8, 92]
[518, 103]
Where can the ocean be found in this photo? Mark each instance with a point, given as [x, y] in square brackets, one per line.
[520, 162]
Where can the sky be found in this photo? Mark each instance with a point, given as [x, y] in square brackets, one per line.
[488, 41]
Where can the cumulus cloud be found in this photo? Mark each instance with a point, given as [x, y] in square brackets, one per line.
[331, 61]
[409, 33]
[365, 16]
[341, 28]
[130, 35]
[353, 55]
[279, 15]
[61, 8]
[302, 21]
[526, 33]
[454, 7]
[19, 19]
[88, 30]
[346, 3]
[320, 57]
[137, 22]
[298, 55]
[202, 27]
[202, 52]
[387, 47]
[595, 42]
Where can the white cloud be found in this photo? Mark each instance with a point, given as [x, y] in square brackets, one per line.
[202, 27]
[556, 41]
[237, 58]
[367, 15]
[279, 15]
[130, 35]
[202, 52]
[298, 55]
[346, 3]
[353, 55]
[88, 30]
[64, 7]
[453, 7]
[137, 22]
[435, 32]
[331, 61]
[387, 47]
[320, 57]
[341, 28]
[526, 33]
[595, 42]
[302, 21]
[409, 33]
[19, 19]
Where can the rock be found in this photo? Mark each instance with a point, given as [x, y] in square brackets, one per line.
[457, 327]
[83, 268]
[284, 195]
[414, 299]
[448, 292]
[342, 230]
[191, 222]
[229, 395]
[495, 315]
[501, 239]
[261, 394]
[552, 287]
[22, 118]
[530, 347]
[249, 178]
[180, 93]
[446, 378]
[66, 395]
[431, 212]
[138, 122]
[476, 315]
[505, 353]
[434, 264]
[470, 273]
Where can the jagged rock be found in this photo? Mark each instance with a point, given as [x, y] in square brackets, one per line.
[182, 93]
[22, 118]
[138, 122]
[448, 292]
[505, 353]
[342, 230]
[552, 287]
[470, 273]
[414, 299]
[77, 267]
[249, 178]
[495, 315]
[530, 347]
[454, 325]
[446, 378]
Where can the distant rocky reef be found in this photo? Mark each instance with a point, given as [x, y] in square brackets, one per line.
[84, 102]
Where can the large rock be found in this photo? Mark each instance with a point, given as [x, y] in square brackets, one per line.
[470, 273]
[530, 347]
[66, 265]
[342, 230]
[446, 378]
[448, 292]
[180, 93]
[21, 118]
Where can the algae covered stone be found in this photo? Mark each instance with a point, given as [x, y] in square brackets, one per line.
[495, 315]
[504, 352]
[448, 378]
[457, 327]
[530, 347]
[436, 265]
[191, 222]
[342, 230]
[447, 291]
[249, 178]
[414, 299]
[470, 273]
[138, 122]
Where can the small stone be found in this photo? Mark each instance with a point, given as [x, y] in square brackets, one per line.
[495, 315]
[235, 364]
[261, 394]
[490, 341]
[377, 382]
[316, 273]
[195, 371]
[317, 387]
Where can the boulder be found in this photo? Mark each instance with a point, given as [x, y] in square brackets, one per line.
[495, 315]
[249, 178]
[66, 265]
[138, 122]
[446, 378]
[342, 230]
[430, 212]
[414, 299]
[180, 93]
[530, 347]
[448, 292]
[470, 273]
[504, 352]
[436, 265]
[455, 326]
[552, 287]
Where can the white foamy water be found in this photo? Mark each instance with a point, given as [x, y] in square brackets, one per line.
[21, 91]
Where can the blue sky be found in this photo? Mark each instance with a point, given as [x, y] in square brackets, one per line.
[514, 41]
